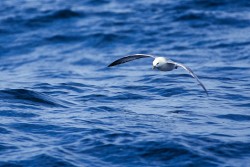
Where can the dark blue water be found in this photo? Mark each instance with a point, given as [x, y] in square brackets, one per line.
[62, 106]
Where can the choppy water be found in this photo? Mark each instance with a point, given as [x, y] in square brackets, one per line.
[61, 105]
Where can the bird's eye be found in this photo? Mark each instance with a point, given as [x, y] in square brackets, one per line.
[157, 63]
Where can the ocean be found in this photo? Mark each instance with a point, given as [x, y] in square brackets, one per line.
[60, 105]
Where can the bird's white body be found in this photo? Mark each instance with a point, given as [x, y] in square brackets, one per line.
[162, 64]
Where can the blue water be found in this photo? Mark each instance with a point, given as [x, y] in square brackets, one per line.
[62, 106]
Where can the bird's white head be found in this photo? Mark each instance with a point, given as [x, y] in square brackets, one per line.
[159, 62]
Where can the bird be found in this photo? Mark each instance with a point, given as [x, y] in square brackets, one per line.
[159, 63]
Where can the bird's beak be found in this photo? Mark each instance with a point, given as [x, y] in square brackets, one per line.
[153, 67]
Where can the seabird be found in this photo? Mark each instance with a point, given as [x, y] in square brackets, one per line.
[159, 63]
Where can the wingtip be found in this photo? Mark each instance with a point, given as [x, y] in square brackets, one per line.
[206, 91]
[111, 65]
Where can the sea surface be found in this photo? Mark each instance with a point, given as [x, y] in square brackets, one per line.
[60, 105]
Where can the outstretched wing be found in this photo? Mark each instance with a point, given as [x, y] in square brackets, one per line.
[192, 74]
[129, 58]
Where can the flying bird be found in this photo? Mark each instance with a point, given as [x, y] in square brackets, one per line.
[159, 63]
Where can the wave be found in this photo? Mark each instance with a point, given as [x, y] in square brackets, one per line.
[29, 97]
[42, 160]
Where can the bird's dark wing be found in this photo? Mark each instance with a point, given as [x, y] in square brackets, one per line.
[129, 58]
[192, 74]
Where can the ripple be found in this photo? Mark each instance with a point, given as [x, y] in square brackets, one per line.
[102, 40]
[6, 147]
[230, 149]
[129, 96]
[235, 117]
[231, 44]
[12, 113]
[46, 160]
[154, 152]
[102, 109]
[54, 15]
[211, 18]
[64, 38]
